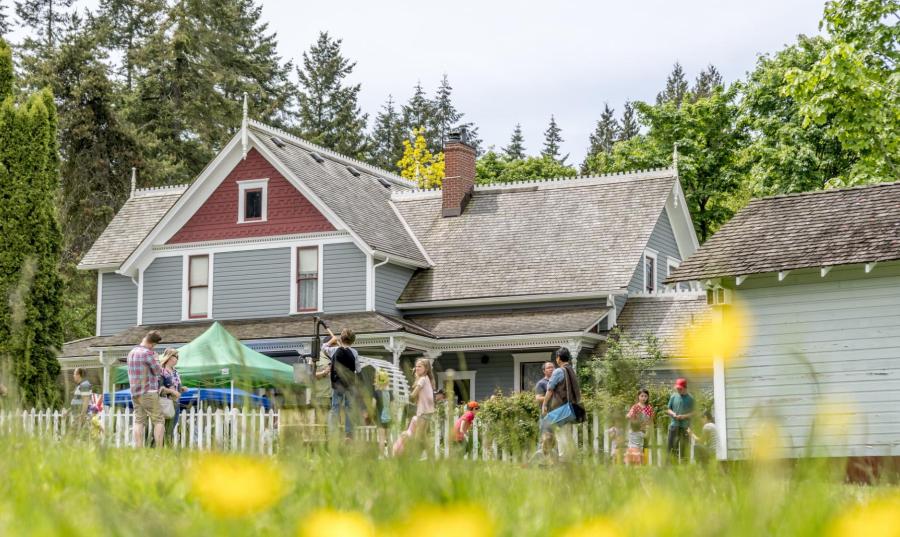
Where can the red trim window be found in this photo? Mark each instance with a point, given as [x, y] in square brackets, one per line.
[253, 201]
[308, 279]
[198, 286]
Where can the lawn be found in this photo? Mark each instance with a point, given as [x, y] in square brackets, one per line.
[78, 489]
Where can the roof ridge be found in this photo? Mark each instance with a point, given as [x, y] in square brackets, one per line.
[334, 154]
[159, 190]
[577, 179]
[825, 191]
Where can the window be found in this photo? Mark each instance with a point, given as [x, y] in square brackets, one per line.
[649, 272]
[252, 200]
[198, 286]
[308, 279]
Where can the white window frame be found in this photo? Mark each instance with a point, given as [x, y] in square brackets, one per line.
[655, 256]
[253, 184]
[185, 289]
[671, 264]
[459, 375]
[527, 357]
[294, 290]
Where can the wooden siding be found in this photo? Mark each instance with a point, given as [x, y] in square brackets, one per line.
[819, 343]
[343, 278]
[662, 240]
[163, 281]
[288, 211]
[118, 304]
[497, 373]
[255, 283]
[390, 280]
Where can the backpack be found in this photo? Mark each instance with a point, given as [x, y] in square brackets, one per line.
[343, 368]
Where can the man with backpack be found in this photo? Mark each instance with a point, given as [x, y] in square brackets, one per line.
[345, 366]
[561, 406]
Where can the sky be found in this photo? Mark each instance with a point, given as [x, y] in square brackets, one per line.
[521, 61]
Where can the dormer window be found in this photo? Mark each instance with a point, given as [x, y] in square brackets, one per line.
[252, 200]
[649, 271]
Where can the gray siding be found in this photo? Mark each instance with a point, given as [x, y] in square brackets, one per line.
[163, 280]
[496, 373]
[832, 341]
[118, 304]
[343, 278]
[390, 280]
[254, 283]
[663, 241]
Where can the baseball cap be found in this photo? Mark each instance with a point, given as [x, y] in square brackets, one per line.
[681, 383]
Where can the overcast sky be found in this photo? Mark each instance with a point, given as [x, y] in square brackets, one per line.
[515, 61]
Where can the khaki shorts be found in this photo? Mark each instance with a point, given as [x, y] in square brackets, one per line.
[147, 406]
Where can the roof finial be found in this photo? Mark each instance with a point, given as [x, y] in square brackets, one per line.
[244, 128]
[675, 158]
[133, 180]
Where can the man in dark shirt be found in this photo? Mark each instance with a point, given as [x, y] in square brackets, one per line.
[540, 389]
[680, 409]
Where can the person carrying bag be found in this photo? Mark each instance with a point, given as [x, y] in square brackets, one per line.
[561, 405]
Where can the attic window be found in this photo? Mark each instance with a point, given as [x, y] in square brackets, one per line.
[649, 271]
[252, 200]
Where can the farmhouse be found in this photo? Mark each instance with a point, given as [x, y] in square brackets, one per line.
[818, 275]
[486, 280]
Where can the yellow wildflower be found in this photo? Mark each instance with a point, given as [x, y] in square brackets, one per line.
[331, 523]
[878, 518]
[597, 527]
[722, 335]
[235, 486]
[447, 521]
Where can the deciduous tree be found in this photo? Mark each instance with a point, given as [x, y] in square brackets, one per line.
[421, 165]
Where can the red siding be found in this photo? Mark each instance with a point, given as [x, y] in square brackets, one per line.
[288, 211]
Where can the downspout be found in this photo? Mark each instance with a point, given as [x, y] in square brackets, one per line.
[386, 260]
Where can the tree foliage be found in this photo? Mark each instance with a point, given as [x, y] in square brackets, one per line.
[495, 168]
[516, 148]
[552, 140]
[604, 136]
[419, 164]
[387, 137]
[629, 128]
[676, 87]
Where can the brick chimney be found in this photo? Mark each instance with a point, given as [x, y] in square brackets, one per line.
[459, 172]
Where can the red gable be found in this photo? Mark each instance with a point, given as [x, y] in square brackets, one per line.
[288, 211]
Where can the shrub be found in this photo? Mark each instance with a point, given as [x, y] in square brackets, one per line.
[512, 420]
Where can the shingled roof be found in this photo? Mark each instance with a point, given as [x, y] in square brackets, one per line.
[539, 321]
[665, 317]
[812, 229]
[564, 236]
[132, 223]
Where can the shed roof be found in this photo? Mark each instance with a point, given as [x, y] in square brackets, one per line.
[812, 229]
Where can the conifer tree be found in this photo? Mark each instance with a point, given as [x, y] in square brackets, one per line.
[604, 136]
[552, 140]
[418, 115]
[629, 128]
[329, 111]
[676, 87]
[387, 137]
[4, 21]
[446, 116]
[516, 148]
[30, 327]
[127, 24]
[47, 19]
[706, 82]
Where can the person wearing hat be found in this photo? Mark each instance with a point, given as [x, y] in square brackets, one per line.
[463, 425]
[170, 387]
[680, 409]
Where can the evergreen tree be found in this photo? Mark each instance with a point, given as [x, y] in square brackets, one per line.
[706, 82]
[418, 115]
[516, 148]
[603, 137]
[552, 140]
[676, 87]
[629, 128]
[446, 116]
[47, 20]
[127, 25]
[387, 137]
[4, 21]
[30, 326]
[329, 111]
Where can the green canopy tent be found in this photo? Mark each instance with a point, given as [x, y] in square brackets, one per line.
[216, 358]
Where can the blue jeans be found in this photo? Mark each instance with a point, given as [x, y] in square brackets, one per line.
[339, 399]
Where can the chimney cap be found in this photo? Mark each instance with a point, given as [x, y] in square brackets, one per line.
[458, 134]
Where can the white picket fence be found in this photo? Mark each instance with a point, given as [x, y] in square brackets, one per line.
[257, 431]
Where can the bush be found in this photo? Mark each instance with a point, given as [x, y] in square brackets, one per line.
[512, 420]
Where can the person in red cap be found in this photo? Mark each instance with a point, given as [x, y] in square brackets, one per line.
[680, 410]
[463, 427]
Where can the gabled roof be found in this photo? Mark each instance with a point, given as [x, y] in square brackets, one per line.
[132, 223]
[542, 238]
[812, 229]
[665, 317]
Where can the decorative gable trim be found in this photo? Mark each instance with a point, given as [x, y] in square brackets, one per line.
[680, 219]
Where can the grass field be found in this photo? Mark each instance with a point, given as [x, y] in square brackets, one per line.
[80, 489]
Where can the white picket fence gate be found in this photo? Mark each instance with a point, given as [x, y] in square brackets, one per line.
[257, 431]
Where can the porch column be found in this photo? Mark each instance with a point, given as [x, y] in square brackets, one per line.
[395, 346]
[108, 361]
[574, 347]
[432, 355]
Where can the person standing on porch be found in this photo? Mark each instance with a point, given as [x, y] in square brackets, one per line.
[680, 409]
[143, 377]
[345, 366]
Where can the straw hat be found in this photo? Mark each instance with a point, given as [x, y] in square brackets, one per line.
[168, 355]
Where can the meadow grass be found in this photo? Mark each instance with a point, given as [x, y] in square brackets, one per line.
[76, 488]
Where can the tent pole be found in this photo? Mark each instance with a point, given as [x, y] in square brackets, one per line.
[232, 392]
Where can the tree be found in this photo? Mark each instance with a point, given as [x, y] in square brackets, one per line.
[30, 327]
[516, 148]
[4, 21]
[676, 87]
[494, 168]
[603, 137]
[784, 154]
[387, 137]
[552, 140]
[47, 19]
[420, 165]
[329, 110]
[853, 89]
[446, 115]
[418, 116]
[706, 81]
[630, 127]
[127, 25]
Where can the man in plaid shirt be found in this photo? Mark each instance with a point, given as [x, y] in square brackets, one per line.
[143, 376]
